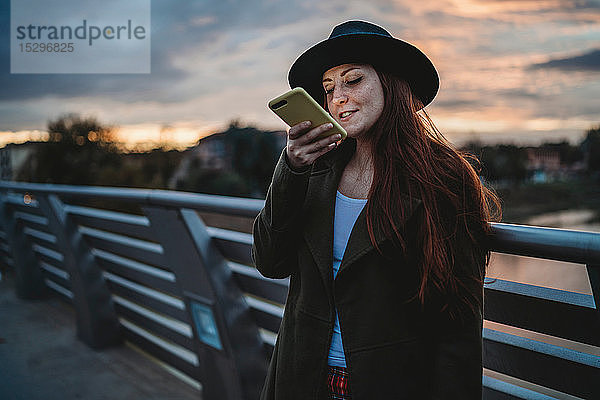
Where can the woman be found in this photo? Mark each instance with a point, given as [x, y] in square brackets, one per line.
[382, 235]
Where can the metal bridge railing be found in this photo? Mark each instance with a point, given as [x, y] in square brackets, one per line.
[141, 265]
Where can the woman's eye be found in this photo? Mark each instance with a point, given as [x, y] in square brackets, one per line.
[354, 81]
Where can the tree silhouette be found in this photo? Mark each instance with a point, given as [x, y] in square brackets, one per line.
[591, 148]
[77, 151]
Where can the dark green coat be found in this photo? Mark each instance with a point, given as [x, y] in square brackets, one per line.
[394, 349]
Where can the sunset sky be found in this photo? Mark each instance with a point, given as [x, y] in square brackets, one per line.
[522, 71]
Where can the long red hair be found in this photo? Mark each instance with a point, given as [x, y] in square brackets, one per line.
[413, 158]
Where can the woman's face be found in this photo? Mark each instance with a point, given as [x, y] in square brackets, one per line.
[354, 96]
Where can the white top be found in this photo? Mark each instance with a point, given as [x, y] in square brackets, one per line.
[347, 211]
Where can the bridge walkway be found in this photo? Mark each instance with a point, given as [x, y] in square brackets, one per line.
[41, 358]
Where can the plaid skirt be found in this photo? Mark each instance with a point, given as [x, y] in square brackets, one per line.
[337, 381]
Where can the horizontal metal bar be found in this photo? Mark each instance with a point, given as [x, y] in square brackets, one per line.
[231, 236]
[578, 324]
[563, 296]
[556, 244]
[543, 348]
[123, 224]
[251, 281]
[55, 255]
[136, 265]
[59, 289]
[236, 246]
[263, 306]
[542, 369]
[203, 202]
[170, 300]
[267, 337]
[107, 215]
[172, 348]
[36, 219]
[169, 368]
[549, 243]
[56, 271]
[47, 237]
[19, 199]
[173, 324]
[124, 240]
[517, 391]
[253, 273]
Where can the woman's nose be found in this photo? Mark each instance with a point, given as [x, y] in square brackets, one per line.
[339, 97]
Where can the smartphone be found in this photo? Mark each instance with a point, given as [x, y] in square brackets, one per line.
[296, 106]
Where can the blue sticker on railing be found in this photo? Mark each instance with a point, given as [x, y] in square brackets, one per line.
[206, 326]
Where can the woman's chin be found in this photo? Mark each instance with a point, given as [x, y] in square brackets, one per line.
[353, 133]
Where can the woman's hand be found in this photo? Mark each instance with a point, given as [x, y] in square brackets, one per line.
[303, 148]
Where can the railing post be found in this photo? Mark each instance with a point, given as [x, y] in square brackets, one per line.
[29, 279]
[229, 347]
[594, 277]
[97, 323]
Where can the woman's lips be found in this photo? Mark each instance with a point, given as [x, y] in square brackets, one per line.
[347, 117]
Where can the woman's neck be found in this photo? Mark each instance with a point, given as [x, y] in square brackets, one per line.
[362, 160]
[358, 173]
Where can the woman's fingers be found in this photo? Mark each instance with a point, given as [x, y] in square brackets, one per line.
[324, 143]
[313, 134]
[307, 148]
[297, 130]
[303, 132]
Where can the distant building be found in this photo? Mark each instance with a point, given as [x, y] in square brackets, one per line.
[546, 165]
[214, 152]
[544, 159]
[14, 156]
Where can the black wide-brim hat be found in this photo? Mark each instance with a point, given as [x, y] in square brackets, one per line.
[360, 42]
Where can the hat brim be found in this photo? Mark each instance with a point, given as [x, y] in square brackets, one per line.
[382, 52]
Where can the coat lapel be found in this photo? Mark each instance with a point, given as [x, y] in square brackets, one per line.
[319, 215]
[320, 207]
[359, 242]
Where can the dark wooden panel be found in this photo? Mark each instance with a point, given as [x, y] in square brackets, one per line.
[569, 321]
[268, 289]
[155, 327]
[546, 370]
[149, 302]
[162, 354]
[139, 277]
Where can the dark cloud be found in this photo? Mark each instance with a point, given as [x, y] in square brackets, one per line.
[176, 29]
[454, 103]
[585, 62]
[126, 87]
[519, 93]
[587, 4]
